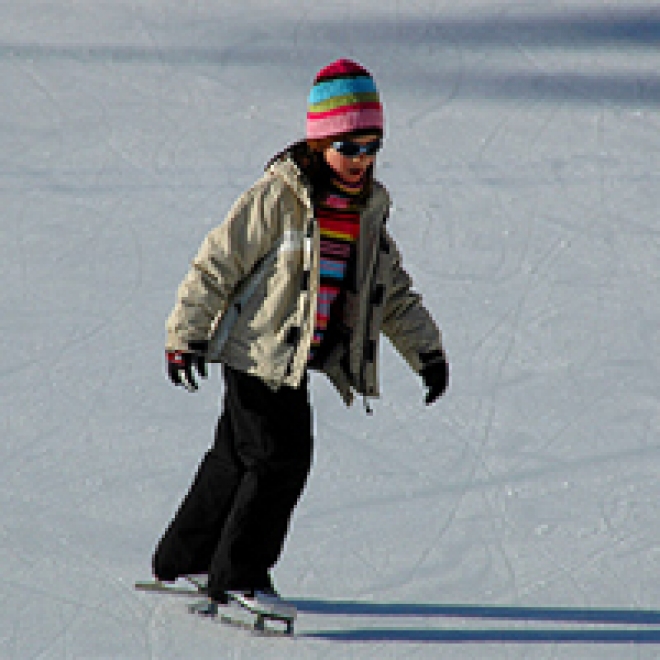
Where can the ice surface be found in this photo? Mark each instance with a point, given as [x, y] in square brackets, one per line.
[522, 152]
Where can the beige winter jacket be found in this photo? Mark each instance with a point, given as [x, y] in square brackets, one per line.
[272, 226]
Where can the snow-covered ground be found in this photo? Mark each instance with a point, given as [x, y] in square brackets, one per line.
[523, 153]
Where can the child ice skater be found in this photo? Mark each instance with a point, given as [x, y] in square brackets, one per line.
[302, 275]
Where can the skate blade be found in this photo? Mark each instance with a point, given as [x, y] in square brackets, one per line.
[237, 616]
[155, 586]
[278, 610]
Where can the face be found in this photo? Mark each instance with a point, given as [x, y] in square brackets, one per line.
[350, 168]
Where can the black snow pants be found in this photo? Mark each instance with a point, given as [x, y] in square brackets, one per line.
[235, 517]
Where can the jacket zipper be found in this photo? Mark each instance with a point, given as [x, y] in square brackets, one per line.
[307, 269]
[365, 339]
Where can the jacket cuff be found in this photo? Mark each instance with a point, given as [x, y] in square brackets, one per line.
[430, 358]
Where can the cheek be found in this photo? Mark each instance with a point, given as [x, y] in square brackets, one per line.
[335, 161]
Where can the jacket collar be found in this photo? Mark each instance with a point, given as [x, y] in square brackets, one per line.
[286, 168]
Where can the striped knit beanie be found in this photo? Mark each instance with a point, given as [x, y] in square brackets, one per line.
[343, 99]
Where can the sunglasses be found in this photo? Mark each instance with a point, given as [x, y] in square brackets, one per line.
[352, 149]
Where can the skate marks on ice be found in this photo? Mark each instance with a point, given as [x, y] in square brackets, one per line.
[558, 625]
[607, 30]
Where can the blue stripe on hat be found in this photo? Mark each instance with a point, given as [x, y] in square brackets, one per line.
[328, 89]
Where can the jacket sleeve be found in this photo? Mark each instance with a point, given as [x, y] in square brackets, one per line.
[406, 322]
[226, 256]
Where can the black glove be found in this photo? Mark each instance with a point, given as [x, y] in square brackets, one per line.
[435, 375]
[180, 365]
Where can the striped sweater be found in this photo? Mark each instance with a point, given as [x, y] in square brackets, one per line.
[338, 216]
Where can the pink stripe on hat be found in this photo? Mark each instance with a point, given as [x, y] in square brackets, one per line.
[344, 122]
